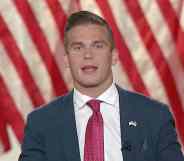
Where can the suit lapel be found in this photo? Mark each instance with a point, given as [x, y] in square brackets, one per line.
[68, 132]
[132, 136]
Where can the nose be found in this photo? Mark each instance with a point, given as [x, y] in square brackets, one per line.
[88, 53]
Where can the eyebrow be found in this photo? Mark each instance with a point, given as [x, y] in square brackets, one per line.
[100, 41]
[94, 42]
[75, 43]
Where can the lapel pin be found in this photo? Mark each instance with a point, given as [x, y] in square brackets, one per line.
[132, 123]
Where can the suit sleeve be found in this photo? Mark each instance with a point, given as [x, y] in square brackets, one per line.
[169, 148]
[33, 148]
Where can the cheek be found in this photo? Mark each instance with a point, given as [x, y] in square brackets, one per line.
[74, 64]
[106, 60]
[106, 65]
[73, 61]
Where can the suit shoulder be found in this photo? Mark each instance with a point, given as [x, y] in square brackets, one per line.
[145, 105]
[48, 111]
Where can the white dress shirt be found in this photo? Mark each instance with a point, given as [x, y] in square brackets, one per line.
[110, 112]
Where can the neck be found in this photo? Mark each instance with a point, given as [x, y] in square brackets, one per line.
[94, 91]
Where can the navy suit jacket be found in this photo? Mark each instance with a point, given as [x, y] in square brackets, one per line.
[51, 134]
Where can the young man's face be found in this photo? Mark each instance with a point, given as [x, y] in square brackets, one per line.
[90, 56]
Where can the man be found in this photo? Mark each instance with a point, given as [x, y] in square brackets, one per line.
[98, 121]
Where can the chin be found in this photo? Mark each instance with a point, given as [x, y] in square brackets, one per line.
[89, 84]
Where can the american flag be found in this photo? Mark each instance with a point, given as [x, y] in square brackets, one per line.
[149, 36]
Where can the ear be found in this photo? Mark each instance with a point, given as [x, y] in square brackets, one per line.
[114, 57]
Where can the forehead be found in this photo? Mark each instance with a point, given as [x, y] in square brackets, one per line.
[87, 31]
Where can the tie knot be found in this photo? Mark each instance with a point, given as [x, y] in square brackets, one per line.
[94, 105]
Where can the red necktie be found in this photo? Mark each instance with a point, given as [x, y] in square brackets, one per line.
[94, 137]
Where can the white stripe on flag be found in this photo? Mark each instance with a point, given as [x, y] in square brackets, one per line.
[139, 54]
[14, 84]
[166, 43]
[28, 50]
[120, 76]
[176, 4]
[46, 22]
[91, 6]
[182, 17]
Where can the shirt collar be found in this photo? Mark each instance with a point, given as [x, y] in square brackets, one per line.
[80, 99]
[110, 96]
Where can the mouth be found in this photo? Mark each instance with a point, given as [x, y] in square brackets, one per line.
[89, 68]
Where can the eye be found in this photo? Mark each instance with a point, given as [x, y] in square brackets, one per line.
[77, 47]
[99, 45]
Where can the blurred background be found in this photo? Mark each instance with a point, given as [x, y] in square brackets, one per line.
[149, 36]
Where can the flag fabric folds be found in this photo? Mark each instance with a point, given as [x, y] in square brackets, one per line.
[149, 36]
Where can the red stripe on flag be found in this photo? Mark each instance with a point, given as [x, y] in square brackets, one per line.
[157, 57]
[10, 115]
[124, 53]
[74, 6]
[58, 14]
[170, 17]
[3, 132]
[42, 45]
[180, 46]
[154, 51]
[174, 25]
[77, 2]
[19, 63]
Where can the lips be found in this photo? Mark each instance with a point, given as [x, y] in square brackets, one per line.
[89, 68]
